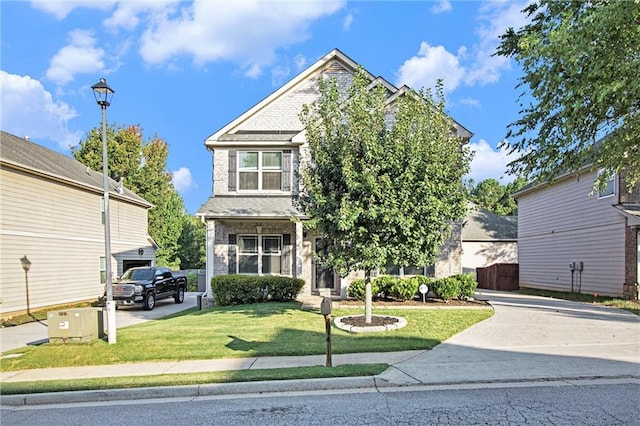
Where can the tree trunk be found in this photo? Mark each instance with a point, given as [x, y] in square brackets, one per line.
[367, 296]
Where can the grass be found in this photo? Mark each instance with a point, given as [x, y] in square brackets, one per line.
[41, 314]
[300, 373]
[268, 329]
[627, 305]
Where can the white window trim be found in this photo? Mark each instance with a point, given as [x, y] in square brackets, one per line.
[260, 170]
[260, 252]
[615, 186]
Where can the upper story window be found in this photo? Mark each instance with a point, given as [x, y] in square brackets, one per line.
[610, 188]
[260, 170]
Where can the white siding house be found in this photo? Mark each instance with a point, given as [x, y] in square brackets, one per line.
[570, 238]
[252, 226]
[51, 217]
[488, 238]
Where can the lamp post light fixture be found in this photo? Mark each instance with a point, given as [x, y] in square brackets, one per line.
[26, 265]
[104, 94]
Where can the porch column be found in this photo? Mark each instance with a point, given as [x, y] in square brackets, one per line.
[211, 235]
[298, 266]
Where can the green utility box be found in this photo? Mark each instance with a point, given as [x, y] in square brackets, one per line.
[76, 325]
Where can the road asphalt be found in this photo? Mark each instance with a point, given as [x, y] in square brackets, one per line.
[528, 339]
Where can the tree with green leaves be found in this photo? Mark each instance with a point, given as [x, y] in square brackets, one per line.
[143, 166]
[580, 62]
[495, 197]
[192, 251]
[383, 183]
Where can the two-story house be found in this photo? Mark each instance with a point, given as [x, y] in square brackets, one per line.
[52, 228]
[252, 225]
[572, 238]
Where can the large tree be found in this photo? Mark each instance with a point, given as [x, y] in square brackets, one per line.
[383, 182]
[580, 83]
[495, 197]
[143, 166]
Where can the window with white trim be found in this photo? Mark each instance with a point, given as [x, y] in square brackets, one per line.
[103, 270]
[610, 187]
[259, 254]
[260, 170]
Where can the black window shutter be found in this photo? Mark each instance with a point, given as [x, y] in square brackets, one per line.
[233, 250]
[287, 251]
[232, 170]
[286, 170]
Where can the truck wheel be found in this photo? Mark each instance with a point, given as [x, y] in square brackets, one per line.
[179, 297]
[149, 301]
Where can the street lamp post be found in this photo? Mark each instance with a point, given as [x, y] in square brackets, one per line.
[104, 94]
[26, 265]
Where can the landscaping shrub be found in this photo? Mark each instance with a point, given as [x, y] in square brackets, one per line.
[467, 284]
[356, 289]
[192, 281]
[446, 288]
[403, 288]
[245, 289]
[383, 285]
[283, 289]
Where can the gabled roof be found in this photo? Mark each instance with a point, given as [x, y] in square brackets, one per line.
[22, 154]
[334, 60]
[483, 225]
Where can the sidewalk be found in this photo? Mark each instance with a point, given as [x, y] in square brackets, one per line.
[528, 339]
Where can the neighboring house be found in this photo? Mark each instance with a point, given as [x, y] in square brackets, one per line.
[252, 226]
[488, 238]
[572, 236]
[51, 217]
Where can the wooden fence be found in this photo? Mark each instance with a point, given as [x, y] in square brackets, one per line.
[499, 276]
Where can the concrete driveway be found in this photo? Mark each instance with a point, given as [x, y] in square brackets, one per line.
[37, 332]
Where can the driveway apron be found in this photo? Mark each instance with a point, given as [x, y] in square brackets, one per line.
[530, 338]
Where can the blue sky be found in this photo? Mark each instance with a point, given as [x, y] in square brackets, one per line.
[184, 69]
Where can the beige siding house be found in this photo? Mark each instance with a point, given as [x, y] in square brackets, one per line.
[572, 238]
[252, 226]
[488, 238]
[51, 216]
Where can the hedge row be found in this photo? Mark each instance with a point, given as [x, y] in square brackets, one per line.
[244, 289]
[459, 286]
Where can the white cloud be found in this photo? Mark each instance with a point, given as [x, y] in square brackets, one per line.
[488, 163]
[29, 110]
[182, 179]
[127, 13]
[61, 8]
[441, 7]
[80, 56]
[470, 102]
[494, 19]
[247, 32]
[348, 20]
[430, 64]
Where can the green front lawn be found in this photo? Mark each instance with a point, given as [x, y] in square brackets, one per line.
[268, 329]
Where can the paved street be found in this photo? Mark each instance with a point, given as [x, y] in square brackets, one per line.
[591, 402]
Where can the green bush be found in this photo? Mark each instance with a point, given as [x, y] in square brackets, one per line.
[404, 288]
[446, 288]
[383, 285]
[467, 284]
[356, 289]
[245, 289]
[192, 281]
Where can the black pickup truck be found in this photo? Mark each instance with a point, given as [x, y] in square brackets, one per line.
[147, 284]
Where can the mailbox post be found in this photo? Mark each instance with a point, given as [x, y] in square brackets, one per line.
[325, 309]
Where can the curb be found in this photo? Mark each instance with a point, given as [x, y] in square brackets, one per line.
[189, 391]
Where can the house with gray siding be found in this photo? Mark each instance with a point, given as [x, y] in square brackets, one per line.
[252, 225]
[52, 220]
[574, 238]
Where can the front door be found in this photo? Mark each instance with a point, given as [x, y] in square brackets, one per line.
[322, 277]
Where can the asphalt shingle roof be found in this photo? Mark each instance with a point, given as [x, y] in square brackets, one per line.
[483, 225]
[272, 207]
[20, 153]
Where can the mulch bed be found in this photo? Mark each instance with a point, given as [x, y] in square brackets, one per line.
[376, 320]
